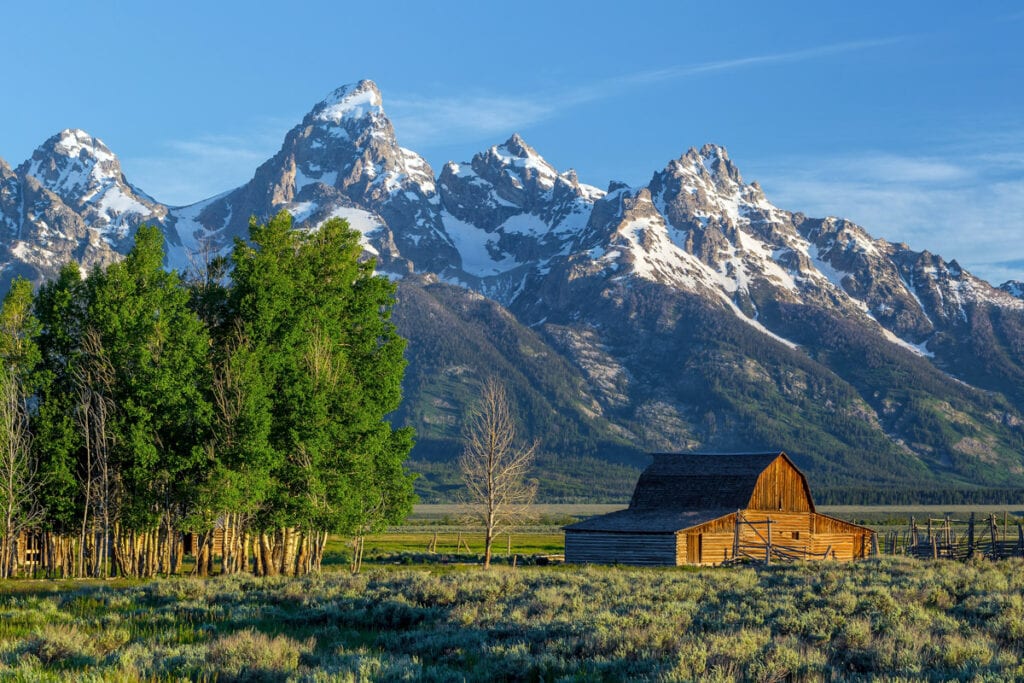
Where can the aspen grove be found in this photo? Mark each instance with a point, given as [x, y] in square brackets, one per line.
[145, 416]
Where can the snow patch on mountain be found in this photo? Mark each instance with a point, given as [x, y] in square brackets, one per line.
[350, 102]
[365, 223]
[478, 249]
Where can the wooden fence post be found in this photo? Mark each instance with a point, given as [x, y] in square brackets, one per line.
[970, 537]
[736, 536]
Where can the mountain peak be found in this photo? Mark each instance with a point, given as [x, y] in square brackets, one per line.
[75, 143]
[74, 165]
[517, 153]
[711, 159]
[519, 147]
[1013, 288]
[353, 101]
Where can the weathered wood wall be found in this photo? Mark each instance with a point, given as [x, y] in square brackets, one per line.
[781, 487]
[600, 547]
[802, 534]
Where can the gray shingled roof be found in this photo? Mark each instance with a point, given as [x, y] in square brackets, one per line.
[648, 521]
[681, 490]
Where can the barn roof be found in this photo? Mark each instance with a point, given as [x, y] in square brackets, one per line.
[681, 490]
[632, 520]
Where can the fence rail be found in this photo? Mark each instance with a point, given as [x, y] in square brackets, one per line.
[952, 539]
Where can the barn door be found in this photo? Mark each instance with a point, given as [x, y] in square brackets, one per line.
[693, 548]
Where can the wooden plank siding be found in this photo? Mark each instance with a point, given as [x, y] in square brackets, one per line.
[797, 533]
[781, 487]
[621, 548]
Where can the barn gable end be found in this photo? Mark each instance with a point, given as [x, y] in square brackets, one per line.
[781, 486]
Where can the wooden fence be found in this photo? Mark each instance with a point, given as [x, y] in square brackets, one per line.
[761, 547]
[951, 539]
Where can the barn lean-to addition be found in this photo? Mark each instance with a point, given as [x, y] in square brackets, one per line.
[712, 508]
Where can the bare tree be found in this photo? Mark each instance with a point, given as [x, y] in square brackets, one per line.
[18, 482]
[494, 466]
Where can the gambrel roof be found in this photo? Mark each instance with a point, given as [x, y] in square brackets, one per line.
[682, 490]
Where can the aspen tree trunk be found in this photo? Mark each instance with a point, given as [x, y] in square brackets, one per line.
[318, 550]
[247, 548]
[227, 553]
[5, 556]
[200, 554]
[266, 555]
[488, 541]
[303, 558]
[257, 554]
[289, 559]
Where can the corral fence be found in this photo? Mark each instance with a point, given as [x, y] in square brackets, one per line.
[952, 539]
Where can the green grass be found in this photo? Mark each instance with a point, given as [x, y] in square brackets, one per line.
[452, 547]
[888, 619]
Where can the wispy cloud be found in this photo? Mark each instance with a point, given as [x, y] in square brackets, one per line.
[965, 202]
[462, 118]
[190, 170]
[685, 71]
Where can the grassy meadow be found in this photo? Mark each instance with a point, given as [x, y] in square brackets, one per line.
[881, 619]
[423, 609]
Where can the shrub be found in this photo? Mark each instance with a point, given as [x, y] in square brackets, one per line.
[251, 655]
[63, 645]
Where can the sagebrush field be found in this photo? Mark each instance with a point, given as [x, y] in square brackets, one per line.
[882, 619]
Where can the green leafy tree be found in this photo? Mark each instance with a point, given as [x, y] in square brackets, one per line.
[157, 349]
[315, 321]
[57, 443]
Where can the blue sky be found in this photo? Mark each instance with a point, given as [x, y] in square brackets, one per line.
[907, 117]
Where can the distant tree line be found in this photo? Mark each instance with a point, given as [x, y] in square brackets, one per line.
[139, 412]
[900, 495]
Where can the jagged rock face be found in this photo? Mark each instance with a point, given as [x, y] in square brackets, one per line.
[10, 203]
[863, 268]
[69, 201]
[1013, 288]
[509, 212]
[48, 234]
[87, 177]
[343, 160]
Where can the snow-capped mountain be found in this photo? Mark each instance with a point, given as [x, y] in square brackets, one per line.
[661, 304]
[508, 213]
[344, 161]
[1013, 288]
[70, 200]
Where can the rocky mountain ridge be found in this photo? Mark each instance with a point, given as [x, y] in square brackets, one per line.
[752, 300]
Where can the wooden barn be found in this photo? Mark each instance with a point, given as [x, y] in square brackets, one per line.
[712, 508]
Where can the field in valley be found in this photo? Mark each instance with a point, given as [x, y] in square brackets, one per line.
[889, 618]
[423, 609]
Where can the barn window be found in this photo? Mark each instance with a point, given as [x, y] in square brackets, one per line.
[796, 534]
